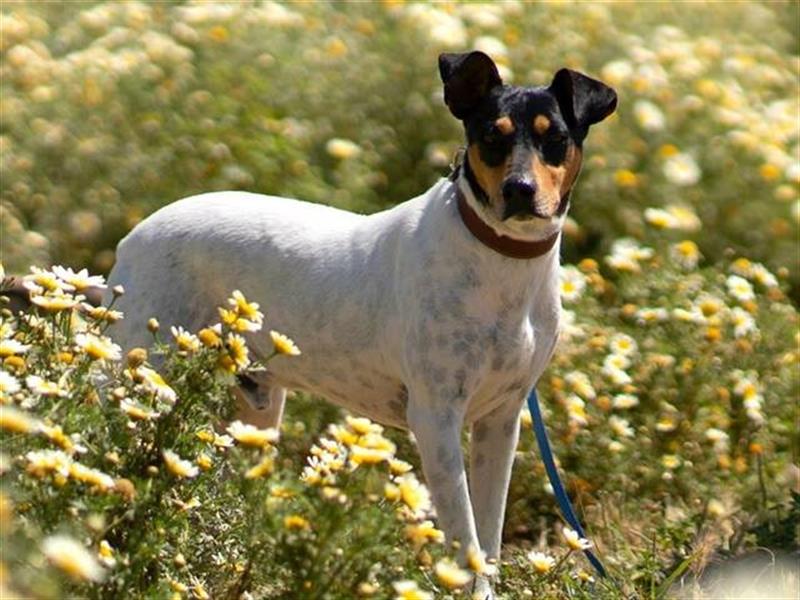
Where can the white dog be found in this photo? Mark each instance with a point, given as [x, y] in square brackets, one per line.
[438, 313]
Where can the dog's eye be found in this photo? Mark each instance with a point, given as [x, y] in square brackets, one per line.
[556, 141]
[554, 148]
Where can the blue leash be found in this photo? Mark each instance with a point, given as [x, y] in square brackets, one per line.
[552, 474]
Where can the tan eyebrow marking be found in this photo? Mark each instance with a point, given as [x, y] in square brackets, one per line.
[504, 125]
[541, 124]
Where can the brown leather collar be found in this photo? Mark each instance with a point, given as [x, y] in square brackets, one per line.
[500, 243]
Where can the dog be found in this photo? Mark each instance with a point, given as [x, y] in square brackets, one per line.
[437, 314]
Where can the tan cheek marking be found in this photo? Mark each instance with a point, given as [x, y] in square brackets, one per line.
[555, 181]
[549, 180]
[541, 124]
[573, 167]
[504, 125]
[489, 178]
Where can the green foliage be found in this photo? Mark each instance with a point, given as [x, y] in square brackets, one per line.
[670, 405]
[115, 481]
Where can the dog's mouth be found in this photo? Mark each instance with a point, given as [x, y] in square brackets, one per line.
[535, 218]
[524, 210]
[521, 225]
[531, 218]
[528, 215]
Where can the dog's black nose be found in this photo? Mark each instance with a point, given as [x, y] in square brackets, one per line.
[518, 194]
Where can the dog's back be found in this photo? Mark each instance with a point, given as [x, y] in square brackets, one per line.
[184, 260]
[320, 274]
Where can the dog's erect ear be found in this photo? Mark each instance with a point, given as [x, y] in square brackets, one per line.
[467, 79]
[583, 101]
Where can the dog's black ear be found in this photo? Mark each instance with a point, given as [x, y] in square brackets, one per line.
[467, 79]
[583, 101]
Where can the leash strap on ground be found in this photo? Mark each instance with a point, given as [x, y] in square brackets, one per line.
[555, 480]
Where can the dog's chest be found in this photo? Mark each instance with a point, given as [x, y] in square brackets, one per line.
[495, 362]
[480, 337]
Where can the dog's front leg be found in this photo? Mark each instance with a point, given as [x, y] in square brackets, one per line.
[492, 447]
[437, 428]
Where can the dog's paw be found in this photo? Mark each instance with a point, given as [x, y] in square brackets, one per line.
[482, 589]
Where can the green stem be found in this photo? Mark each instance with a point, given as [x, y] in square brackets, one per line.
[761, 484]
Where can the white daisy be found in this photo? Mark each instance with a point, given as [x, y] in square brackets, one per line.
[179, 467]
[43, 387]
[648, 116]
[571, 283]
[156, 384]
[743, 322]
[624, 401]
[41, 280]
[762, 275]
[98, 347]
[717, 437]
[616, 361]
[685, 253]
[541, 562]
[8, 384]
[80, 280]
[626, 253]
[10, 347]
[70, 556]
[342, 149]
[250, 435]
[575, 541]
[622, 344]
[580, 384]
[185, 340]
[576, 409]
[682, 170]
[660, 218]
[450, 575]
[651, 315]
[740, 288]
[620, 427]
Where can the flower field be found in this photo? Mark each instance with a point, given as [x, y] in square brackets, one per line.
[672, 398]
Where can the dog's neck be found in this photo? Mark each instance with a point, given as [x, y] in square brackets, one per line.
[470, 209]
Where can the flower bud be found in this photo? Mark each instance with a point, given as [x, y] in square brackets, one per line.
[136, 357]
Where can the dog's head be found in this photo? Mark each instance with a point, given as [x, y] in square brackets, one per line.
[523, 143]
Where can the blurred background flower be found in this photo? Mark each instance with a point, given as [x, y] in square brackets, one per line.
[117, 108]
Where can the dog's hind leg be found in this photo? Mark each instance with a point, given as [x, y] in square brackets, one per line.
[260, 401]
